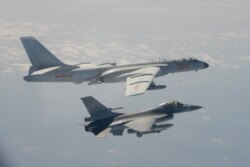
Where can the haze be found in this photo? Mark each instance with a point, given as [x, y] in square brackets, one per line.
[39, 120]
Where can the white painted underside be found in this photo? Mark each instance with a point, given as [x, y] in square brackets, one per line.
[43, 71]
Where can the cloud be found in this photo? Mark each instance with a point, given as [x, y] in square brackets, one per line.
[66, 152]
[28, 149]
[216, 61]
[217, 140]
[228, 35]
[235, 66]
[13, 30]
[180, 84]
[117, 48]
[20, 67]
[11, 57]
[113, 49]
[15, 141]
[210, 59]
[206, 118]
[7, 70]
[105, 51]
[233, 35]
[245, 57]
[111, 151]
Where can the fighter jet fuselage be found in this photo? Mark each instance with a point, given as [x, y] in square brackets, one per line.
[104, 121]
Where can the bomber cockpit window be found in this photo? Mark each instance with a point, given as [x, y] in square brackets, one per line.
[193, 60]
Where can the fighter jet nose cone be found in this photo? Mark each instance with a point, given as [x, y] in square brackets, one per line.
[26, 78]
[206, 65]
[170, 125]
[195, 107]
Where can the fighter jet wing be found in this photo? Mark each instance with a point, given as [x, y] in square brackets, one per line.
[103, 133]
[140, 82]
[141, 125]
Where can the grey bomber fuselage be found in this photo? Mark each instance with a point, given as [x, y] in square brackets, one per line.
[139, 77]
[108, 73]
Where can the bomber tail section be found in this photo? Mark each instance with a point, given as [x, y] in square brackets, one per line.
[39, 56]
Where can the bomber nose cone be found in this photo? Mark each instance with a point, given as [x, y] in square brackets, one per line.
[206, 65]
[193, 107]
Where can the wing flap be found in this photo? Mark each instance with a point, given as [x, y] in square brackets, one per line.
[140, 82]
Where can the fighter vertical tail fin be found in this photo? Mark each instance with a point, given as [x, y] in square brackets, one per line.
[39, 56]
[97, 110]
[100, 117]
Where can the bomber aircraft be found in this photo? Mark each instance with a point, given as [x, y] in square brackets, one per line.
[139, 77]
[103, 120]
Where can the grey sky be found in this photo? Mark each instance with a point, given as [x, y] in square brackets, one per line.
[39, 120]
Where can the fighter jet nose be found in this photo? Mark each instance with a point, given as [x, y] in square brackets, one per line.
[170, 125]
[26, 78]
[206, 65]
[193, 107]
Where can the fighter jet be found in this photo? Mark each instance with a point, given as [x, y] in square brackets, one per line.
[103, 120]
[139, 77]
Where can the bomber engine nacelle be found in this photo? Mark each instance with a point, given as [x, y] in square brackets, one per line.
[157, 87]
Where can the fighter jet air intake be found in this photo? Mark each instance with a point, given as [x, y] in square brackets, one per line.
[103, 120]
[45, 67]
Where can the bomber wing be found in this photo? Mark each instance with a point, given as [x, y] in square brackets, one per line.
[141, 81]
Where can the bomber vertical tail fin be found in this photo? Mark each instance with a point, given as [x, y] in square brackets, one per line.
[39, 56]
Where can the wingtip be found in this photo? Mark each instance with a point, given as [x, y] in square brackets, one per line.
[27, 37]
[86, 97]
[134, 94]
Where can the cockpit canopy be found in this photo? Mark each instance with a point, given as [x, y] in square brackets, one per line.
[191, 60]
[173, 103]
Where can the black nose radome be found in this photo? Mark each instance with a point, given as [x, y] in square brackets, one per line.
[206, 65]
[26, 78]
[193, 107]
